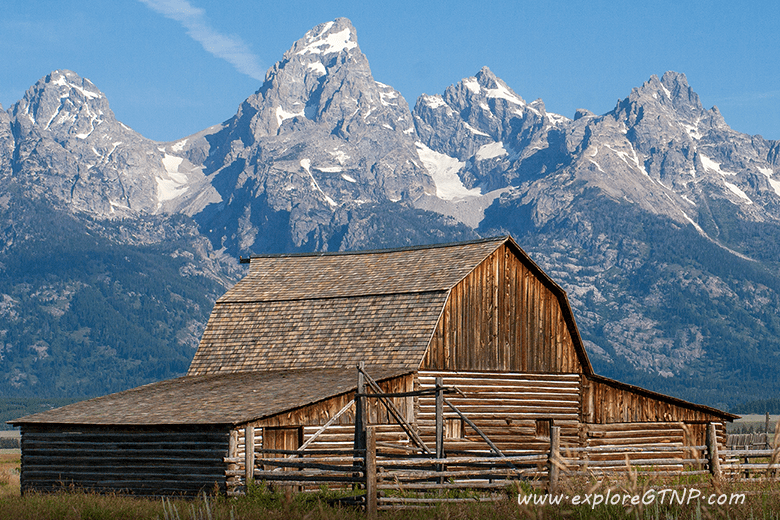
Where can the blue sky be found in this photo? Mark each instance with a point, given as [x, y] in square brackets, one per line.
[173, 67]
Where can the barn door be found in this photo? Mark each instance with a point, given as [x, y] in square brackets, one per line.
[284, 438]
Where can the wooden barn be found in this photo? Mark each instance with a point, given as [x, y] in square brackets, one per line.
[277, 364]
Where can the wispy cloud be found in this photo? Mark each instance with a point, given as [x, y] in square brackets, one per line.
[226, 47]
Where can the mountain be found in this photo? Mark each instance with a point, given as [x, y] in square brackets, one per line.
[660, 221]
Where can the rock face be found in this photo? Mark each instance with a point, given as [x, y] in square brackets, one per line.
[660, 221]
[320, 138]
[71, 150]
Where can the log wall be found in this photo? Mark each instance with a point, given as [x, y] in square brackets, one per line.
[138, 461]
[646, 443]
[514, 410]
[503, 317]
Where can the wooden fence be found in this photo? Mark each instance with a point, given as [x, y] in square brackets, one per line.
[388, 475]
[389, 479]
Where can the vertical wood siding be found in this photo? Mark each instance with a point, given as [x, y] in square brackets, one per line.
[137, 461]
[320, 413]
[502, 317]
[605, 403]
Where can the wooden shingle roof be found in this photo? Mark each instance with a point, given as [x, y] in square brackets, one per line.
[335, 309]
[359, 273]
[231, 399]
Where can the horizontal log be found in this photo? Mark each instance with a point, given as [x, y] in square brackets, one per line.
[463, 379]
[746, 453]
[317, 484]
[353, 473]
[128, 488]
[751, 466]
[311, 452]
[294, 478]
[148, 469]
[522, 401]
[636, 441]
[632, 449]
[463, 460]
[307, 460]
[632, 462]
[497, 473]
[526, 399]
[639, 425]
[472, 484]
[97, 452]
[656, 473]
[402, 500]
[637, 429]
[86, 478]
[80, 459]
[57, 431]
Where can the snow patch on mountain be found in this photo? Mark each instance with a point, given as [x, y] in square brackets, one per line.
[175, 184]
[444, 171]
[332, 43]
[306, 165]
[501, 92]
[317, 67]
[434, 102]
[472, 85]
[474, 130]
[491, 151]
[62, 80]
[768, 173]
[709, 164]
[738, 192]
[282, 115]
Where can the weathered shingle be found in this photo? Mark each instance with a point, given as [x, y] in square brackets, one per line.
[332, 275]
[391, 330]
[210, 399]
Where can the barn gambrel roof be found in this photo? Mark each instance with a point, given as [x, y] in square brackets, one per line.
[334, 309]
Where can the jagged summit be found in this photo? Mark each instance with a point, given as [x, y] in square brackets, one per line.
[325, 39]
[63, 103]
[319, 137]
[324, 78]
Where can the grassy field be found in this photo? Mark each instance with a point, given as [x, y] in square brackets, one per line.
[749, 501]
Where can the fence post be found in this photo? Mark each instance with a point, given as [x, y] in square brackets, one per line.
[766, 429]
[439, 425]
[554, 458]
[249, 453]
[370, 472]
[360, 409]
[439, 419]
[712, 451]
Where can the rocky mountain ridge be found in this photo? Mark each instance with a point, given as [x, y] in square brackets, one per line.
[660, 221]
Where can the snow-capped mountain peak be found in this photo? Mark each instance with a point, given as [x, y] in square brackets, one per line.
[64, 104]
[328, 38]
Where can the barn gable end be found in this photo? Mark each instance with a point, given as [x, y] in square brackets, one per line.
[507, 315]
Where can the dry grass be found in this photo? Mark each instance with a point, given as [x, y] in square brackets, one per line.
[9, 474]
[762, 501]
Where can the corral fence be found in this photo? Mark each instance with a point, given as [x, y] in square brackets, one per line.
[387, 476]
[383, 479]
